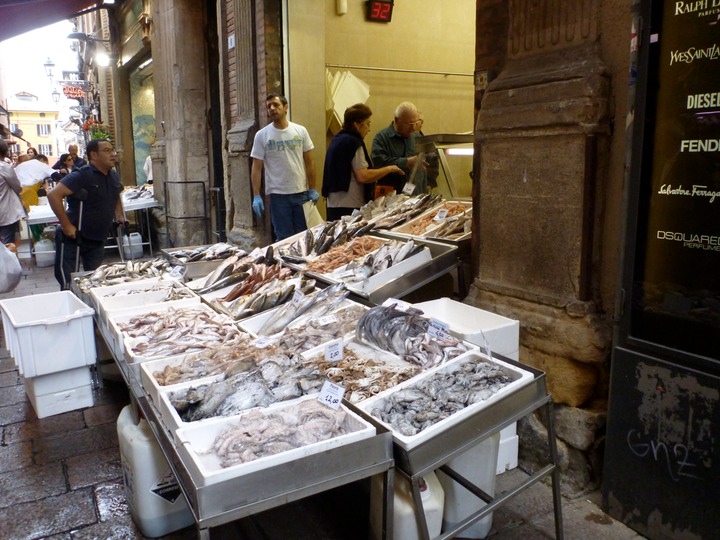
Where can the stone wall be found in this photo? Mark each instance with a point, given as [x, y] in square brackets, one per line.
[543, 148]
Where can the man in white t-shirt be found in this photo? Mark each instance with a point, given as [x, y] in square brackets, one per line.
[284, 150]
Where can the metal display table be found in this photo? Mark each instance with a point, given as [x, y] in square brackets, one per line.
[436, 452]
[242, 496]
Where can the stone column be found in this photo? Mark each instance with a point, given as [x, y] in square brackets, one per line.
[181, 105]
[543, 122]
[243, 125]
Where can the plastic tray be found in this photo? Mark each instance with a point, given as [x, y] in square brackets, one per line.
[519, 377]
[205, 469]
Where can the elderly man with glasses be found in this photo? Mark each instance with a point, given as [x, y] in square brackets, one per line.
[395, 145]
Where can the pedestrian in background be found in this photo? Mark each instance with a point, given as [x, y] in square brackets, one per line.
[283, 149]
[11, 209]
[102, 205]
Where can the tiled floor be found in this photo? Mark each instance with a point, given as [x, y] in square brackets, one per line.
[61, 478]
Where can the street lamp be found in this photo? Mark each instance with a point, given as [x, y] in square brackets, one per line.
[49, 65]
[56, 96]
[102, 58]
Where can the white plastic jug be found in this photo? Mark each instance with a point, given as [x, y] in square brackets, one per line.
[404, 523]
[156, 502]
[134, 241]
[479, 466]
[44, 252]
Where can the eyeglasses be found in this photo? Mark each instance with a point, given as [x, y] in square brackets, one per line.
[415, 123]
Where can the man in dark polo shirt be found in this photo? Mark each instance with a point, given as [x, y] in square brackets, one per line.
[102, 204]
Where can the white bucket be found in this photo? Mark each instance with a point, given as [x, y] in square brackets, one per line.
[156, 502]
[478, 465]
[404, 524]
[133, 240]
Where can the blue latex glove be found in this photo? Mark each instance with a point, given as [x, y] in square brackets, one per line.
[258, 205]
[314, 195]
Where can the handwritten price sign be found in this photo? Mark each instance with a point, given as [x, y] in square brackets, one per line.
[331, 395]
[334, 351]
[438, 330]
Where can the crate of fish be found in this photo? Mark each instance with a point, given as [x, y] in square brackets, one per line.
[310, 332]
[167, 331]
[429, 404]
[363, 371]
[408, 334]
[243, 355]
[259, 439]
[275, 378]
[149, 294]
[390, 261]
[199, 261]
[452, 220]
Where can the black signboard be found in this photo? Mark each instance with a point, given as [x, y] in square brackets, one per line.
[676, 283]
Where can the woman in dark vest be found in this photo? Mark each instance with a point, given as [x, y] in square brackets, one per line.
[348, 179]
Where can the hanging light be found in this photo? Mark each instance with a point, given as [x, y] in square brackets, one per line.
[56, 96]
[49, 65]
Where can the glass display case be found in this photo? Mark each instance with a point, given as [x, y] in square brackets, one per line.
[449, 159]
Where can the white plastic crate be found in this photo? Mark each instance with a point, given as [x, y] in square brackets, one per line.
[60, 392]
[49, 332]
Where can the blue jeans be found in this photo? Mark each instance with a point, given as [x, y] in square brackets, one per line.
[92, 253]
[8, 233]
[286, 214]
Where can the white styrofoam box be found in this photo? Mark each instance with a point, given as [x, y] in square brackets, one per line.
[503, 336]
[116, 319]
[52, 332]
[60, 392]
[168, 413]
[44, 253]
[205, 469]
[519, 377]
[407, 228]
[10, 339]
[105, 290]
[470, 323]
[107, 304]
[382, 278]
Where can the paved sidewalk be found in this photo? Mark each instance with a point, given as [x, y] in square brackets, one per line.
[61, 478]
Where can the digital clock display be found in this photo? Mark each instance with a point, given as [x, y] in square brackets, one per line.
[379, 10]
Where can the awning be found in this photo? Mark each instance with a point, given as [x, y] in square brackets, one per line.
[20, 16]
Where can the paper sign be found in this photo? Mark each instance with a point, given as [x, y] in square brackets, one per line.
[331, 395]
[261, 342]
[438, 330]
[408, 188]
[297, 297]
[334, 351]
[400, 305]
[327, 319]
[441, 215]
[255, 253]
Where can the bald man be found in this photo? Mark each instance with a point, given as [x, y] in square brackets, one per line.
[77, 160]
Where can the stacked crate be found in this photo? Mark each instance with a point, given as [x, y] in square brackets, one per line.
[51, 338]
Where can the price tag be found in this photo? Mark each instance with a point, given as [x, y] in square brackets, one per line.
[334, 351]
[331, 395]
[441, 215]
[298, 297]
[255, 253]
[400, 305]
[327, 319]
[408, 188]
[438, 330]
[261, 342]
